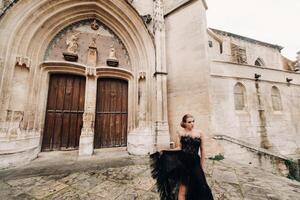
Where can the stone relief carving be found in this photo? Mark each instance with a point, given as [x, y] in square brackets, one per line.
[72, 48]
[147, 18]
[22, 61]
[88, 124]
[94, 25]
[104, 39]
[72, 43]
[13, 123]
[92, 53]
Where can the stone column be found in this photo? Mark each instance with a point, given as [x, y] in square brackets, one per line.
[86, 143]
[162, 135]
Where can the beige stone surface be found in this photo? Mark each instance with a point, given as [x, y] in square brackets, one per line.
[169, 67]
[98, 179]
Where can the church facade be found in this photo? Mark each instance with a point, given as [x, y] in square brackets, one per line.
[91, 74]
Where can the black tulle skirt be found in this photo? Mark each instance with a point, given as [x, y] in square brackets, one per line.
[173, 168]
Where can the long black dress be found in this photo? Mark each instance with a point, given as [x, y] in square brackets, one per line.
[172, 168]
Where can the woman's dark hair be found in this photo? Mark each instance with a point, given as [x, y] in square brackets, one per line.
[184, 118]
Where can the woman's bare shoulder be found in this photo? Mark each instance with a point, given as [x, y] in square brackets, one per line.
[199, 133]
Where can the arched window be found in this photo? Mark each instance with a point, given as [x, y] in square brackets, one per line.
[259, 62]
[276, 99]
[239, 96]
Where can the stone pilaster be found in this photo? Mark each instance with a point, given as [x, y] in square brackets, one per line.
[162, 136]
[86, 143]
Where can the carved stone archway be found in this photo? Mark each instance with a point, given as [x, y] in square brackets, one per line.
[28, 33]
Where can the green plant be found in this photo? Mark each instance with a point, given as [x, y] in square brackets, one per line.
[217, 157]
[293, 170]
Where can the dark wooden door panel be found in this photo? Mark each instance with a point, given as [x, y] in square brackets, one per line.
[111, 113]
[65, 108]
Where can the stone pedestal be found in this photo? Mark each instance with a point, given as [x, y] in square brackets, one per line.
[86, 145]
[162, 136]
[70, 57]
[86, 142]
[140, 141]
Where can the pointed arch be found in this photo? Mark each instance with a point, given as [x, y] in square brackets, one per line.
[276, 99]
[239, 96]
[259, 62]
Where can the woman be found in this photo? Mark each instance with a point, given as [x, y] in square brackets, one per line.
[179, 173]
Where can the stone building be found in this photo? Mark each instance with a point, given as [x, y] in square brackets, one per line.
[89, 74]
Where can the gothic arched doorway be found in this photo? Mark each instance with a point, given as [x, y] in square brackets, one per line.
[111, 113]
[64, 112]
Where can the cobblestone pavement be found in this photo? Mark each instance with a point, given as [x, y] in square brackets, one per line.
[125, 177]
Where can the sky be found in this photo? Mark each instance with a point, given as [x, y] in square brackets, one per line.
[272, 21]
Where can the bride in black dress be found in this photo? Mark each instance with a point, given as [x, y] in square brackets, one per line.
[179, 172]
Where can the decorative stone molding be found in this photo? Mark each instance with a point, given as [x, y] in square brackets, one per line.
[92, 54]
[22, 61]
[94, 25]
[147, 18]
[90, 71]
[158, 16]
[142, 75]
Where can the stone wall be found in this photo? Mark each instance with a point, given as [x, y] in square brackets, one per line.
[256, 124]
[188, 66]
[270, 56]
[247, 154]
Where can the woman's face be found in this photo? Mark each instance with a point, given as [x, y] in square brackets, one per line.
[189, 124]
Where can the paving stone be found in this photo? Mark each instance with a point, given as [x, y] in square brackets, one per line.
[70, 193]
[74, 177]
[108, 190]
[43, 190]
[143, 183]
[225, 176]
[130, 193]
[228, 181]
[87, 184]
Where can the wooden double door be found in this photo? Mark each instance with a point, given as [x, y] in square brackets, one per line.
[65, 109]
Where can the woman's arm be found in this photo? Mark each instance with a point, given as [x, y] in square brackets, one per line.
[177, 142]
[202, 150]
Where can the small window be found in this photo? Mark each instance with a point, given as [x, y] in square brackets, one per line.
[210, 43]
[221, 48]
[259, 62]
[239, 96]
[276, 99]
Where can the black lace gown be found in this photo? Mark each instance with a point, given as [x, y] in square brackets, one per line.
[172, 168]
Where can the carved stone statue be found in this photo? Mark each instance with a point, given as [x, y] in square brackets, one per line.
[72, 43]
[112, 59]
[72, 49]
